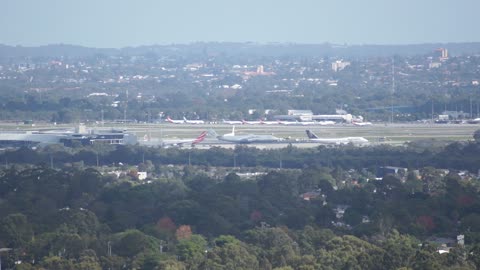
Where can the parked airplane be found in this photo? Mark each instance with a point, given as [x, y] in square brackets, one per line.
[325, 123]
[474, 121]
[289, 123]
[232, 122]
[170, 120]
[307, 123]
[362, 123]
[181, 142]
[243, 139]
[346, 140]
[193, 121]
[263, 122]
[251, 122]
[296, 123]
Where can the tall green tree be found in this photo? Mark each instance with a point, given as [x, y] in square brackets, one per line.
[15, 230]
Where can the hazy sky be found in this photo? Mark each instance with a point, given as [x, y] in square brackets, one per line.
[119, 23]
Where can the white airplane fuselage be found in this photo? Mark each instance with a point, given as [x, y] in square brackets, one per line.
[339, 141]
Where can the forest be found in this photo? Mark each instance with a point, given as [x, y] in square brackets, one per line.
[59, 210]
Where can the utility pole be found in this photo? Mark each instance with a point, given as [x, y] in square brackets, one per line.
[393, 88]
[477, 109]
[471, 108]
[125, 108]
[281, 165]
[161, 246]
[432, 110]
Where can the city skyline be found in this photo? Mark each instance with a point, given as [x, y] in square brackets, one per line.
[116, 24]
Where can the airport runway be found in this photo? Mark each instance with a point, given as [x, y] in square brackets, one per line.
[396, 133]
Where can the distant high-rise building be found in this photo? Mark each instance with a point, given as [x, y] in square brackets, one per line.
[441, 53]
[260, 69]
[444, 53]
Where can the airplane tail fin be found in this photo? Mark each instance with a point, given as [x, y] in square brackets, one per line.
[200, 138]
[184, 119]
[169, 119]
[212, 133]
[230, 134]
[311, 135]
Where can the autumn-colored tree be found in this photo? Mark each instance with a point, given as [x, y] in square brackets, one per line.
[256, 216]
[183, 232]
[426, 222]
[166, 224]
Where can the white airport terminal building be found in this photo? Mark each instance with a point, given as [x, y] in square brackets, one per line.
[68, 138]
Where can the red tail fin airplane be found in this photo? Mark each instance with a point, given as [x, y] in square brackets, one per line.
[180, 142]
[175, 121]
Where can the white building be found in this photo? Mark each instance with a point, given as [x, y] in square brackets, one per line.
[340, 65]
[142, 175]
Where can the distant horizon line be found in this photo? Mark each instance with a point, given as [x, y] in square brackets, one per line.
[241, 42]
